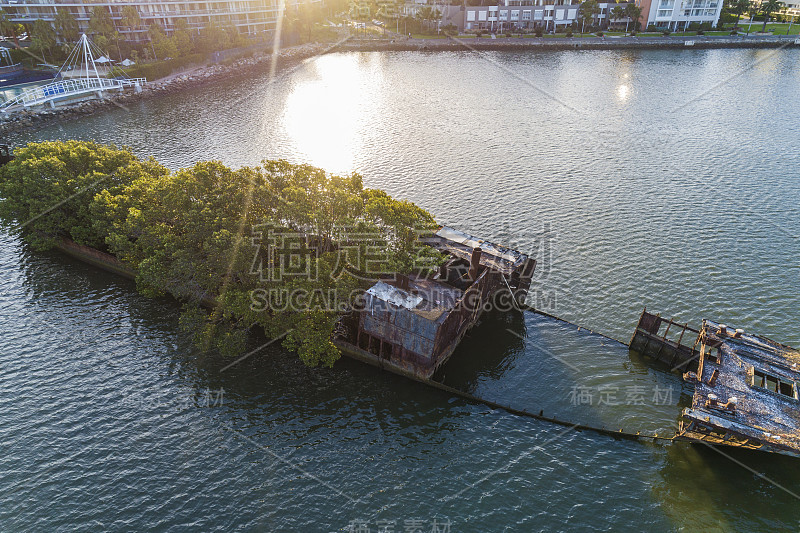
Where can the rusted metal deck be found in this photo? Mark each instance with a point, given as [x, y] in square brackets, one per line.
[413, 324]
[666, 340]
[746, 392]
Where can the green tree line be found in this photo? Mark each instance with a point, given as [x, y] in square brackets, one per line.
[192, 233]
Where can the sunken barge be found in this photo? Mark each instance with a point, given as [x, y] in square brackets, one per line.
[411, 325]
[745, 385]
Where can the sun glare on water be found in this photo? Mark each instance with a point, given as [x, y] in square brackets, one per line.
[326, 111]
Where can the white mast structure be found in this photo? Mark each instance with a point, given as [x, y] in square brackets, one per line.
[87, 82]
[82, 57]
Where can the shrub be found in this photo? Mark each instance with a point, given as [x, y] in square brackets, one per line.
[665, 33]
[538, 31]
[651, 28]
[569, 32]
[700, 32]
[600, 34]
[633, 34]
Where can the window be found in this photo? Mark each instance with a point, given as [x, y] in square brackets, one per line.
[781, 386]
[514, 14]
[504, 15]
[526, 15]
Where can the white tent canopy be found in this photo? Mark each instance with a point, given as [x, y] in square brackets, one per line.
[127, 63]
[103, 60]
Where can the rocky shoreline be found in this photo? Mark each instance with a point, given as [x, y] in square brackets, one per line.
[261, 62]
[32, 119]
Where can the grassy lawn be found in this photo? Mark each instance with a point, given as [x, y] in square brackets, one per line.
[777, 28]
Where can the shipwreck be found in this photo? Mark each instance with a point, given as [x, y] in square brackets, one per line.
[745, 385]
[411, 325]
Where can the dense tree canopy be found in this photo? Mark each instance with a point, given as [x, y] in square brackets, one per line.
[281, 247]
[66, 26]
[48, 188]
[131, 17]
[43, 37]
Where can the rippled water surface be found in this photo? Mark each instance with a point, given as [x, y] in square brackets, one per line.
[659, 178]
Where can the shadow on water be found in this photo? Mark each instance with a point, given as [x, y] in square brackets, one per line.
[481, 354]
[725, 489]
[494, 362]
[356, 418]
[537, 363]
[67, 289]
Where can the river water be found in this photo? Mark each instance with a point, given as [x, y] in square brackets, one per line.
[665, 179]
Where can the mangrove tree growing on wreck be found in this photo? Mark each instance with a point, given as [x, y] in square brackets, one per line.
[279, 246]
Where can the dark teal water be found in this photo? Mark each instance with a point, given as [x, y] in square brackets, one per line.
[666, 179]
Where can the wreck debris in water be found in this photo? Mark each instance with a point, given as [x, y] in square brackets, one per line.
[412, 325]
[745, 385]
[745, 392]
[665, 340]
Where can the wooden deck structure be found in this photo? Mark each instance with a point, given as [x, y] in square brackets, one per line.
[746, 392]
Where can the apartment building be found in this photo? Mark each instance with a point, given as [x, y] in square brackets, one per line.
[552, 14]
[677, 15]
[250, 17]
[527, 14]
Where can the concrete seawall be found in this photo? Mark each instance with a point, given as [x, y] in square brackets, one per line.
[570, 43]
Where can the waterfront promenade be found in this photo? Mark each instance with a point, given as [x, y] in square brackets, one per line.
[647, 41]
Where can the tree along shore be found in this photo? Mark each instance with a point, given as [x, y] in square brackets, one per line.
[279, 247]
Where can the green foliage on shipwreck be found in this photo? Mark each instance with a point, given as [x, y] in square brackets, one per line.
[279, 246]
